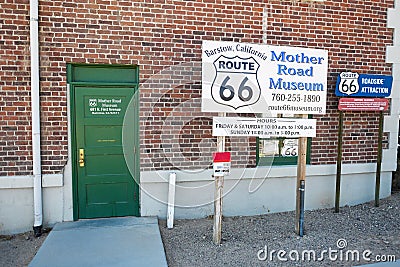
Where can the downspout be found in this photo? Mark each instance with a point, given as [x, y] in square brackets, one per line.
[36, 155]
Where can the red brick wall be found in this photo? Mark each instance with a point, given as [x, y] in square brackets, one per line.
[15, 140]
[164, 38]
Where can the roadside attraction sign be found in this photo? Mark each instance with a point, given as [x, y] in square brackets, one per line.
[363, 85]
[361, 92]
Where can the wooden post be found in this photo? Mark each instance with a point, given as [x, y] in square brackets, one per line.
[219, 186]
[339, 162]
[217, 230]
[301, 176]
[379, 160]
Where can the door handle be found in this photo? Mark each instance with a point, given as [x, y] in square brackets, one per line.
[81, 157]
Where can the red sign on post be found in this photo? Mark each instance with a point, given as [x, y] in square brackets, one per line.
[222, 163]
[363, 104]
[222, 157]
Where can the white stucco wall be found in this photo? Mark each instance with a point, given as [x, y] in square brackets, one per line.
[16, 202]
[275, 193]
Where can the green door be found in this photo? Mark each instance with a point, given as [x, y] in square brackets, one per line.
[105, 184]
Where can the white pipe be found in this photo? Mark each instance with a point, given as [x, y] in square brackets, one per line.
[36, 155]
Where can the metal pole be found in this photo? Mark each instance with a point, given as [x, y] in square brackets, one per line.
[379, 160]
[301, 217]
[339, 162]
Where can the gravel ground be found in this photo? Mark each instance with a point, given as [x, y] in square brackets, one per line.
[356, 229]
[19, 250]
[246, 239]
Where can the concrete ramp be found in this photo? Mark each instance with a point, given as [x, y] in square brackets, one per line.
[125, 241]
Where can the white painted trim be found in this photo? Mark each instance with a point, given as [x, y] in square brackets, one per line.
[52, 180]
[68, 214]
[18, 182]
[394, 22]
[391, 55]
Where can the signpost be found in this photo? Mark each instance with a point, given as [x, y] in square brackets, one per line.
[339, 162]
[254, 78]
[379, 160]
[300, 185]
[221, 166]
[218, 193]
[362, 85]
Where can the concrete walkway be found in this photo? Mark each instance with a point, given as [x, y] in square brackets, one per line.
[128, 241]
[383, 264]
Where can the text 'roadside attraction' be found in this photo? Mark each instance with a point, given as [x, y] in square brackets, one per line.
[252, 78]
[363, 85]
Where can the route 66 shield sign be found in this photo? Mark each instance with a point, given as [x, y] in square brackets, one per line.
[290, 147]
[93, 102]
[235, 83]
[348, 83]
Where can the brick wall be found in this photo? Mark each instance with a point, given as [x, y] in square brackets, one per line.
[15, 141]
[164, 38]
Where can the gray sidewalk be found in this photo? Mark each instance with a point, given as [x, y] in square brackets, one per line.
[128, 241]
[382, 264]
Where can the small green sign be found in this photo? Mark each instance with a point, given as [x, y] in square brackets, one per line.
[104, 106]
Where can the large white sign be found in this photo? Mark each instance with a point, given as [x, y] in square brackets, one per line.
[252, 78]
[264, 127]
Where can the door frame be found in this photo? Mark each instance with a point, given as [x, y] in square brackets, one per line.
[101, 81]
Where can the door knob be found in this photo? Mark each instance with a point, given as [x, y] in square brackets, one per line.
[81, 157]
